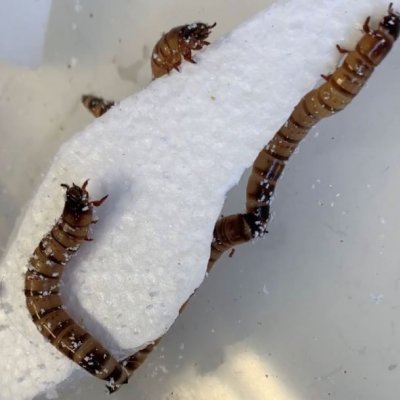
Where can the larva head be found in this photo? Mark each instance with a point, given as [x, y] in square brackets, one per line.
[96, 105]
[391, 23]
[195, 35]
[77, 198]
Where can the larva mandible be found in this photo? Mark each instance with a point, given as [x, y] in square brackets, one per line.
[96, 105]
[42, 290]
[176, 44]
[332, 96]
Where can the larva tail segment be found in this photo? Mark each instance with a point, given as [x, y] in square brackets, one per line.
[366, 28]
[42, 285]
[134, 361]
[332, 96]
[229, 231]
[84, 184]
[97, 106]
[341, 49]
[178, 44]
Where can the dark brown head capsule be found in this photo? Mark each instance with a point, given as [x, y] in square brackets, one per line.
[76, 197]
[391, 23]
[178, 44]
[195, 35]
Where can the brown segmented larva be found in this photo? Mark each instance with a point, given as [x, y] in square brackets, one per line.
[332, 96]
[96, 105]
[176, 44]
[42, 290]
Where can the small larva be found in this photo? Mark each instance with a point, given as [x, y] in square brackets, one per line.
[332, 96]
[42, 290]
[96, 105]
[176, 44]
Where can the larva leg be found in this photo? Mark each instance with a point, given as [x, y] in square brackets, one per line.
[201, 45]
[133, 362]
[98, 203]
[366, 27]
[229, 231]
[342, 50]
[42, 282]
[326, 77]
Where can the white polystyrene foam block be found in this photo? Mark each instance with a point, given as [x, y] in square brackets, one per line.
[166, 157]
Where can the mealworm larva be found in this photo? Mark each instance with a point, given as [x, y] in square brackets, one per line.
[96, 105]
[329, 98]
[176, 44]
[42, 290]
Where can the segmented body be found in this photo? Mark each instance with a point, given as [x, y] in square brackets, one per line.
[42, 290]
[332, 96]
[178, 44]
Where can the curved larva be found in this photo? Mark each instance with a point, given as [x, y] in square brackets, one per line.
[332, 96]
[176, 44]
[42, 290]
